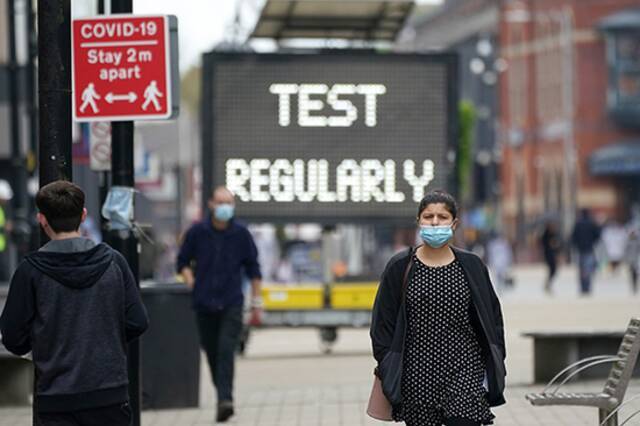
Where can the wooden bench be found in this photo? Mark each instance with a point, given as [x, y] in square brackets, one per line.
[611, 397]
[553, 350]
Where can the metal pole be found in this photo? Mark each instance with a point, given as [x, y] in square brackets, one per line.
[32, 108]
[54, 98]
[54, 92]
[126, 242]
[13, 95]
[18, 173]
[104, 176]
[179, 199]
[103, 189]
[54, 89]
[569, 178]
[566, 28]
[32, 46]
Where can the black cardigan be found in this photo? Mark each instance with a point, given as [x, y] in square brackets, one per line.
[389, 322]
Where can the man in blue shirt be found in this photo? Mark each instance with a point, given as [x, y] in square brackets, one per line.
[212, 260]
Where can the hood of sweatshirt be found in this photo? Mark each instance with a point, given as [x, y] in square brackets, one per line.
[66, 265]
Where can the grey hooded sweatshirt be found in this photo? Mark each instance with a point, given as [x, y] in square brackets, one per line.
[75, 305]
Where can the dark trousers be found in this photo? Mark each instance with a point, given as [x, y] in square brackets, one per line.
[552, 266]
[586, 266]
[219, 335]
[112, 415]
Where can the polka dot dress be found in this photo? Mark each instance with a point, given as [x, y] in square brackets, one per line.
[443, 364]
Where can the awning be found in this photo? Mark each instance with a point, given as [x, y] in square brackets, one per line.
[370, 20]
[617, 159]
[628, 19]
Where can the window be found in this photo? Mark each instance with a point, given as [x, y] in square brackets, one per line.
[624, 63]
[627, 68]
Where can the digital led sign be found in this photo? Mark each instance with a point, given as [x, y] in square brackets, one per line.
[328, 137]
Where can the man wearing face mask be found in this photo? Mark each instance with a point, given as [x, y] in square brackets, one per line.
[212, 260]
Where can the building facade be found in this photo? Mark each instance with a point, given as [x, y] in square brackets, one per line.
[470, 29]
[555, 118]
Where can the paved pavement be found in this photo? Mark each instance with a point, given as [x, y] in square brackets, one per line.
[285, 380]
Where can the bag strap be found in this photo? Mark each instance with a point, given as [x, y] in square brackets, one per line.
[405, 278]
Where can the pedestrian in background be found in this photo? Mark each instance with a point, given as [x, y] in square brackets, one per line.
[551, 243]
[437, 330]
[633, 257]
[632, 252]
[212, 259]
[585, 236]
[614, 239]
[500, 259]
[74, 305]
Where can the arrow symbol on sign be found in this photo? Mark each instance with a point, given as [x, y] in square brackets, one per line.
[111, 98]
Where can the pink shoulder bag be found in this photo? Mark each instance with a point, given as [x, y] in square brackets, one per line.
[379, 406]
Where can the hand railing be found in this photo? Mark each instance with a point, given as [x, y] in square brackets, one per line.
[590, 362]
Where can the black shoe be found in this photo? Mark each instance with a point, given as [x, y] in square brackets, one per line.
[225, 410]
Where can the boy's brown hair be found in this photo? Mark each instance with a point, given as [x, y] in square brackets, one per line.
[62, 203]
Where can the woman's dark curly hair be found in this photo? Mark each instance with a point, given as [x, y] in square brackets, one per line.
[439, 196]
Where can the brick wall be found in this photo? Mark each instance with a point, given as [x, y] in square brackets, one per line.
[553, 112]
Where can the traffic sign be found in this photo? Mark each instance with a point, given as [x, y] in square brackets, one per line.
[124, 68]
[100, 146]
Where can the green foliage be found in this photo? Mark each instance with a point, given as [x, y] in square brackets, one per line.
[466, 121]
[190, 86]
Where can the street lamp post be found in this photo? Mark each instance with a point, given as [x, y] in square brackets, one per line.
[486, 65]
[564, 19]
[54, 91]
[122, 174]
[18, 172]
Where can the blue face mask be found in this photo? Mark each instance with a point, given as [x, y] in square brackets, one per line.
[436, 236]
[223, 212]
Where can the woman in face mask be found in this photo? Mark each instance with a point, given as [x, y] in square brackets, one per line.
[437, 329]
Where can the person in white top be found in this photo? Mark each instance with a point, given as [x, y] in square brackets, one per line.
[632, 251]
[500, 259]
[614, 238]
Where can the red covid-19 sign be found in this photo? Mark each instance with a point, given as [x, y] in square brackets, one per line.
[121, 68]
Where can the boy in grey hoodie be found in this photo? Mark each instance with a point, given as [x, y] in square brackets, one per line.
[74, 305]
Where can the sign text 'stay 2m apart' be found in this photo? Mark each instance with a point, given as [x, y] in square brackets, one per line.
[125, 68]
